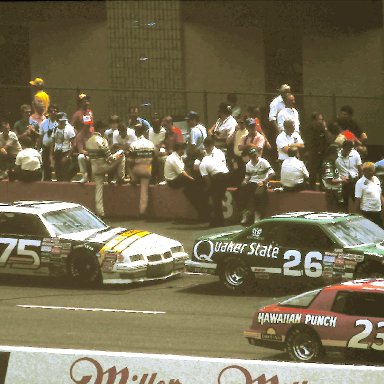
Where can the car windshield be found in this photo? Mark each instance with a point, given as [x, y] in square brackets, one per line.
[357, 231]
[300, 301]
[73, 220]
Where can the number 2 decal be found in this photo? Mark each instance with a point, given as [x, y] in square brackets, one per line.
[312, 263]
[21, 250]
[355, 341]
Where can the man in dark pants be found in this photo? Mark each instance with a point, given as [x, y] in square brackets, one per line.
[45, 140]
[253, 189]
[177, 177]
[215, 174]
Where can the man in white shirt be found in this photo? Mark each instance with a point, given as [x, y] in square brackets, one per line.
[122, 138]
[215, 174]
[63, 139]
[288, 139]
[252, 195]
[368, 194]
[288, 113]
[114, 121]
[195, 139]
[9, 148]
[156, 134]
[140, 157]
[177, 177]
[28, 163]
[294, 173]
[277, 104]
[224, 126]
[348, 164]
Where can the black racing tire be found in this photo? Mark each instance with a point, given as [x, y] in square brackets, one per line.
[369, 269]
[303, 344]
[236, 275]
[84, 270]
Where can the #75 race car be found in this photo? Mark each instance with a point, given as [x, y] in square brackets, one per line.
[320, 247]
[347, 316]
[65, 239]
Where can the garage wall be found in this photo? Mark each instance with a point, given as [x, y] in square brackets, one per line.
[346, 65]
[221, 60]
[72, 55]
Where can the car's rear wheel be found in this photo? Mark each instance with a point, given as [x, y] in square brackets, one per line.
[84, 270]
[236, 275]
[369, 269]
[304, 345]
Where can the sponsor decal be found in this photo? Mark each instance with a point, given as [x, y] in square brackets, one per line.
[279, 318]
[97, 375]
[329, 258]
[245, 377]
[270, 334]
[256, 232]
[87, 370]
[319, 320]
[204, 249]
[260, 275]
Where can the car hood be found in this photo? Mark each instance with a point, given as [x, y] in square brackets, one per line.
[129, 241]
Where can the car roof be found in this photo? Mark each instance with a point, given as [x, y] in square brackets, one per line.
[363, 285]
[312, 217]
[36, 207]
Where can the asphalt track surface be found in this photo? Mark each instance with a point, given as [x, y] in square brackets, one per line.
[190, 315]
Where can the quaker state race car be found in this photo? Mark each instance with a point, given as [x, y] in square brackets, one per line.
[320, 247]
[347, 316]
[66, 239]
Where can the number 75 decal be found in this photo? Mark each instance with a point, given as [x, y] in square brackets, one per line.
[355, 341]
[21, 244]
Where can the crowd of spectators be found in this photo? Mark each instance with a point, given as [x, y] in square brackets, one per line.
[236, 150]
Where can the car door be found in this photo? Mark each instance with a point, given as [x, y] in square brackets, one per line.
[21, 237]
[360, 324]
[307, 251]
[263, 251]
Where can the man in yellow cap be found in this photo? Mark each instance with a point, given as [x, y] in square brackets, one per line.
[40, 96]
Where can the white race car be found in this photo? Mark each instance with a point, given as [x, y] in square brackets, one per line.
[55, 238]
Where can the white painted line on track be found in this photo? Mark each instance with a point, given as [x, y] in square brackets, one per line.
[195, 273]
[92, 309]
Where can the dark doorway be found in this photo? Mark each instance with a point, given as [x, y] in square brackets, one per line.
[15, 70]
[283, 60]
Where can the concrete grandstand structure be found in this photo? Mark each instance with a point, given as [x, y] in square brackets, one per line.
[173, 56]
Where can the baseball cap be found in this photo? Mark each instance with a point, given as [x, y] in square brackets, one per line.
[252, 151]
[284, 88]
[83, 96]
[37, 81]
[62, 116]
[192, 115]
[249, 121]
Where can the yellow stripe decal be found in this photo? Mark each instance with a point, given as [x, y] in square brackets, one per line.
[115, 243]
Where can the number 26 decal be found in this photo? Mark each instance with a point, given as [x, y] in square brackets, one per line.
[312, 263]
[21, 250]
[378, 343]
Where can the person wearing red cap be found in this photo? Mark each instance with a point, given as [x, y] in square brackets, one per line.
[84, 115]
[40, 96]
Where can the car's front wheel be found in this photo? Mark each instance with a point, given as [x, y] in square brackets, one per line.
[304, 345]
[236, 275]
[84, 270]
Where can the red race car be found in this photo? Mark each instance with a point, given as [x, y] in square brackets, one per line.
[347, 316]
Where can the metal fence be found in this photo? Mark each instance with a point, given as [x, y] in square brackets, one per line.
[369, 111]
